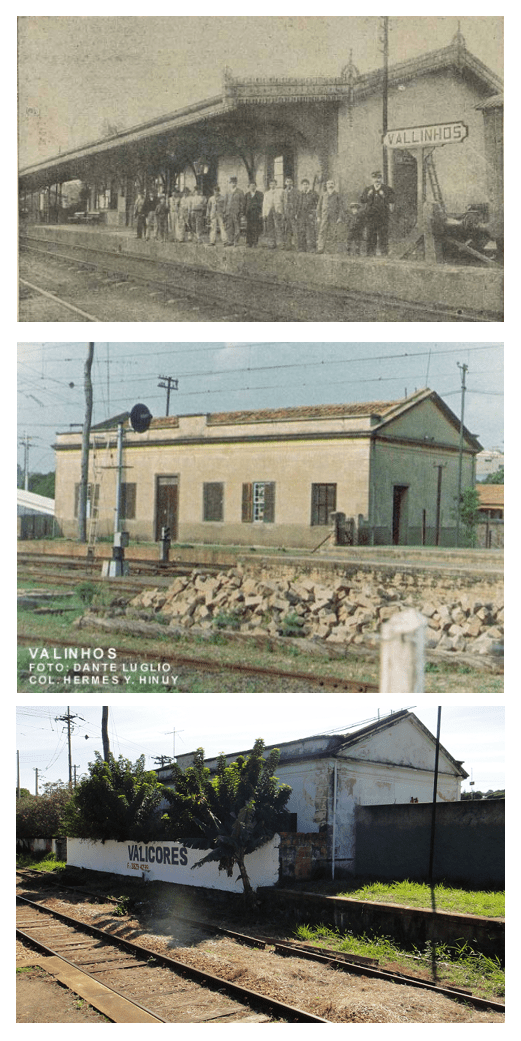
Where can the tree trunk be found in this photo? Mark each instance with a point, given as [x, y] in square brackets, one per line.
[249, 895]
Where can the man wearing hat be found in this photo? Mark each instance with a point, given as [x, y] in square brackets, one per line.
[378, 199]
[306, 218]
[233, 211]
[330, 213]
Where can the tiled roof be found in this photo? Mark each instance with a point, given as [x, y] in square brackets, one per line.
[492, 496]
[266, 415]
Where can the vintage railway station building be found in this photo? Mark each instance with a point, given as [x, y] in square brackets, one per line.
[278, 477]
[315, 128]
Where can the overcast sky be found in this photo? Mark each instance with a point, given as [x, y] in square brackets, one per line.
[228, 376]
[472, 733]
[76, 73]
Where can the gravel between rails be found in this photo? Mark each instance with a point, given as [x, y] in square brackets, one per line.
[324, 991]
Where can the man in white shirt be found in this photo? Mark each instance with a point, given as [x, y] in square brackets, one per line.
[273, 214]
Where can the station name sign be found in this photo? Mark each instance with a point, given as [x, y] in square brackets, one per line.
[420, 137]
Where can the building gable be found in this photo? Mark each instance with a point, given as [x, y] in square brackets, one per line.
[402, 743]
[428, 420]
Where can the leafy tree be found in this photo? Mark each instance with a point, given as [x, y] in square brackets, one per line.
[118, 800]
[42, 484]
[496, 478]
[469, 513]
[41, 817]
[236, 811]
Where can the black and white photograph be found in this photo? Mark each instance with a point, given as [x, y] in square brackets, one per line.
[261, 169]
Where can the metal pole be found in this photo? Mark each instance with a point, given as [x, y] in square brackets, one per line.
[438, 505]
[119, 468]
[334, 822]
[463, 369]
[105, 732]
[385, 93]
[434, 794]
[85, 440]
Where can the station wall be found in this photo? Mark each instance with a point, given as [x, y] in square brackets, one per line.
[172, 862]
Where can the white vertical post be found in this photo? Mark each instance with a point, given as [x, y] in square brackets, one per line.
[402, 653]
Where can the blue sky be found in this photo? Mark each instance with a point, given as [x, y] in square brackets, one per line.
[227, 376]
[472, 733]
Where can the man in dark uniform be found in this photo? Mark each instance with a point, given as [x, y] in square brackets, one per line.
[253, 213]
[306, 218]
[289, 211]
[378, 199]
[233, 211]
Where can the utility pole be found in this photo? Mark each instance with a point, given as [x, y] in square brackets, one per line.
[169, 383]
[440, 468]
[105, 733]
[174, 732]
[25, 441]
[85, 440]
[36, 781]
[463, 369]
[17, 774]
[434, 795]
[385, 93]
[68, 719]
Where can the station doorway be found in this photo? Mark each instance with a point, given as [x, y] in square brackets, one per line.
[167, 506]
[405, 184]
[400, 514]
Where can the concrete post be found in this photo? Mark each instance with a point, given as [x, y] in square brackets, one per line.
[402, 653]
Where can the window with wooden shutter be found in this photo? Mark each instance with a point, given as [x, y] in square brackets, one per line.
[323, 503]
[258, 502]
[247, 503]
[213, 501]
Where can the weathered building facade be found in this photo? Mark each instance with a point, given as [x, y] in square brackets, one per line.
[390, 761]
[386, 471]
[315, 128]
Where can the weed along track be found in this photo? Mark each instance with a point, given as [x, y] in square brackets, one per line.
[127, 975]
[123, 967]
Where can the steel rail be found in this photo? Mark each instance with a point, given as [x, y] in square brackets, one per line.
[332, 683]
[338, 294]
[58, 300]
[248, 996]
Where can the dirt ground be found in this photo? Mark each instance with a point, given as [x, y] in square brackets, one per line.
[41, 999]
[332, 994]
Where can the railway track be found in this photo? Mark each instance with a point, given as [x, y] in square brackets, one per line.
[276, 301]
[341, 962]
[166, 658]
[174, 991]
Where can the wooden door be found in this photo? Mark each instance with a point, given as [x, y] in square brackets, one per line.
[167, 502]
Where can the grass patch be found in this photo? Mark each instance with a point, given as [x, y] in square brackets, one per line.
[456, 964]
[40, 862]
[439, 678]
[446, 898]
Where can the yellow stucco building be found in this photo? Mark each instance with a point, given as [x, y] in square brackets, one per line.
[277, 477]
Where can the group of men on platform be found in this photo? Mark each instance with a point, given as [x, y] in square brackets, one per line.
[290, 219]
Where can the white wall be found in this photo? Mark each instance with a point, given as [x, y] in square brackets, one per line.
[172, 862]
